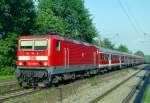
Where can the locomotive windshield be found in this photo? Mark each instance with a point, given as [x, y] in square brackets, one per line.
[40, 44]
[26, 44]
[36, 44]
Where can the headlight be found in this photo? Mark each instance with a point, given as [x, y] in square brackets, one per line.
[45, 63]
[20, 63]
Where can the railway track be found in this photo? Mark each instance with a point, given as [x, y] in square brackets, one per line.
[133, 92]
[9, 86]
[8, 83]
[18, 93]
[11, 94]
[10, 91]
[113, 88]
[21, 92]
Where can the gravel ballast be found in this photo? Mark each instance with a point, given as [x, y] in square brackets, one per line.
[88, 94]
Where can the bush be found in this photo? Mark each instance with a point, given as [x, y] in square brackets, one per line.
[7, 71]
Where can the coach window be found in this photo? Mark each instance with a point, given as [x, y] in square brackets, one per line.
[111, 57]
[107, 56]
[57, 45]
[114, 57]
[122, 57]
[102, 56]
[117, 57]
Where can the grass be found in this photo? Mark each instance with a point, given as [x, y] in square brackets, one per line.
[7, 88]
[37, 97]
[9, 77]
[93, 81]
[147, 97]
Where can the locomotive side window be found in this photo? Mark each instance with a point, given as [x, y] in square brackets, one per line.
[26, 44]
[57, 45]
[40, 44]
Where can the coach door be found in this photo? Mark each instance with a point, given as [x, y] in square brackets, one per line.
[120, 58]
[110, 58]
[66, 57]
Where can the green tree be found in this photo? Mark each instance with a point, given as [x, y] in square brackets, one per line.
[147, 58]
[17, 17]
[46, 20]
[97, 41]
[139, 53]
[8, 53]
[67, 17]
[123, 48]
[106, 43]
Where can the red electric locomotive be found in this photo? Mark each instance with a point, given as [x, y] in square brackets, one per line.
[50, 58]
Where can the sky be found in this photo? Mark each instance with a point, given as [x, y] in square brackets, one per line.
[124, 22]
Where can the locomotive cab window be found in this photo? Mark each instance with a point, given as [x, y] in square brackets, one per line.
[26, 44]
[40, 44]
[57, 45]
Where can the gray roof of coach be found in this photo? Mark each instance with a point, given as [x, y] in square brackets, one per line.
[114, 51]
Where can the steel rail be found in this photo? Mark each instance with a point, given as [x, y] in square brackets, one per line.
[17, 94]
[8, 83]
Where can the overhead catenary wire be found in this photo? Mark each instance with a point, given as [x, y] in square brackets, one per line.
[133, 17]
[128, 16]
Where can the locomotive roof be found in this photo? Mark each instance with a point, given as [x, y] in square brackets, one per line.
[56, 37]
[40, 36]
